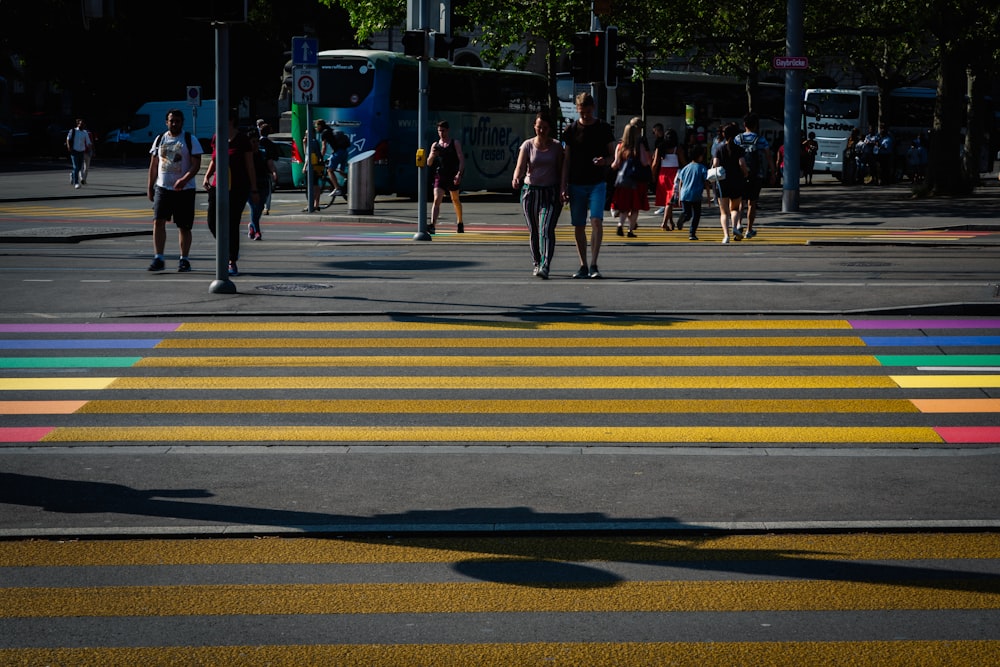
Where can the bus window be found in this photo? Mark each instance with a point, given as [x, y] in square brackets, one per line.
[403, 87]
[837, 105]
[450, 90]
[345, 83]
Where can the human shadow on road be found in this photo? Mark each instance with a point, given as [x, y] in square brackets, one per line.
[573, 561]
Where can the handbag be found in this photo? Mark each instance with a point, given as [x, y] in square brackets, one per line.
[716, 174]
[627, 173]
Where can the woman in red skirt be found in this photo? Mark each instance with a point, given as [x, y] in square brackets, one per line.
[631, 192]
[669, 158]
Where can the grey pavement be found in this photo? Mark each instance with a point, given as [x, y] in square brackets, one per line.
[330, 265]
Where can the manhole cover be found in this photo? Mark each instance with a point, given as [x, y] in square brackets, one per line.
[293, 287]
[866, 263]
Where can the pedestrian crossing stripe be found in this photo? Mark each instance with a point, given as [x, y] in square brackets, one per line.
[502, 434]
[69, 362]
[753, 342]
[501, 406]
[624, 327]
[505, 361]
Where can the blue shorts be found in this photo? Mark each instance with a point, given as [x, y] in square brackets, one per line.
[584, 200]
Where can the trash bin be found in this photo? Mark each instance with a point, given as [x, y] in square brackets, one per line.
[361, 184]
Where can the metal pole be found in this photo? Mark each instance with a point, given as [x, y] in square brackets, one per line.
[423, 73]
[309, 148]
[222, 284]
[793, 110]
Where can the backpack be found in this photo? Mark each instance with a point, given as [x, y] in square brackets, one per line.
[341, 141]
[755, 161]
[159, 138]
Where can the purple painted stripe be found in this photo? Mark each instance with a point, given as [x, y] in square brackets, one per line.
[90, 327]
[925, 324]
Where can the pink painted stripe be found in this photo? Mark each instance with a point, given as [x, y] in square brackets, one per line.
[925, 324]
[969, 435]
[25, 434]
[92, 327]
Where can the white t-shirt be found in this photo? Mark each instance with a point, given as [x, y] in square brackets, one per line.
[175, 160]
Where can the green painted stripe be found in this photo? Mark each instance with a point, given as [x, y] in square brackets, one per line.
[68, 362]
[917, 360]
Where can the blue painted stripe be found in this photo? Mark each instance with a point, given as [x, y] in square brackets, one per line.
[80, 344]
[942, 341]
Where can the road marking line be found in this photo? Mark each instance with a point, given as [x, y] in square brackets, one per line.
[40, 407]
[488, 597]
[54, 384]
[940, 653]
[399, 382]
[455, 325]
[969, 435]
[941, 381]
[931, 341]
[957, 404]
[508, 342]
[905, 323]
[70, 362]
[508, 361]
[934, 360]
[504, 434]
[24, 434]
[500, 406]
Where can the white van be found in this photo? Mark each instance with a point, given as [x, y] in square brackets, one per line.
[151, 120]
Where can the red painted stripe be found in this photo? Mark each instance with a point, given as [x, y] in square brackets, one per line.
[25, 434]
[969, 435]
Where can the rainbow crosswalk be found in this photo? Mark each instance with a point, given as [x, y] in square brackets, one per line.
[890, 382]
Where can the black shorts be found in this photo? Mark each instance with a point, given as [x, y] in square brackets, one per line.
[174, 204]
[752, 188]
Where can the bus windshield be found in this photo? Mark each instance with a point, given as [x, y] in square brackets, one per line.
[845, 106]
[345, 82]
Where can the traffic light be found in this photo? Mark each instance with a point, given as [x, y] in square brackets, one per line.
[611, 57]
[598, 42]
[415, 43]
[587, 60]
[444, 46]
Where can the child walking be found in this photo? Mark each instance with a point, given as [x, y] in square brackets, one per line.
[690, 183]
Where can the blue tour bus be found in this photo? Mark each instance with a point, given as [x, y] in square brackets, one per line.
[372, 97]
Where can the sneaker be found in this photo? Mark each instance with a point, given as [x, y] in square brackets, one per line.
[430, 228]
[750, 234]
[543, 273]
[659, 211]
[461, 228]
[620, 231]
[581, 273]
[631, 234]
[725, 238]
[535, 270]
[256, 237]
[77, 186]
[233, 269]
[183, 266]
[251, 231]
[594, 273]
[692, 237]
[157, 265]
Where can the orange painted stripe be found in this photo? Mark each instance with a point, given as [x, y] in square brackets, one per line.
[40, 407]
[957, 404]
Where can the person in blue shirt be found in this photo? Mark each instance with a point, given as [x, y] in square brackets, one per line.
[690, 183]
[757, 153]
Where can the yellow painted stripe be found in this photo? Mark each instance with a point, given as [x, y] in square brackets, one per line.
[529, 434]
[500, 406]
[456, 325]
[547, 342]
[40, 407]
[488, 597]
[375, 550]
[975, 381]
[562, 654]
[932, 405]
[512, 382]
[54, 384]
[520, 361]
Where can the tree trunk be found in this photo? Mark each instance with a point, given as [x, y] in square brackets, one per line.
[945, 173]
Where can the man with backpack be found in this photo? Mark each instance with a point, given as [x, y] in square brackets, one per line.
[175, 159]
[757, 153]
